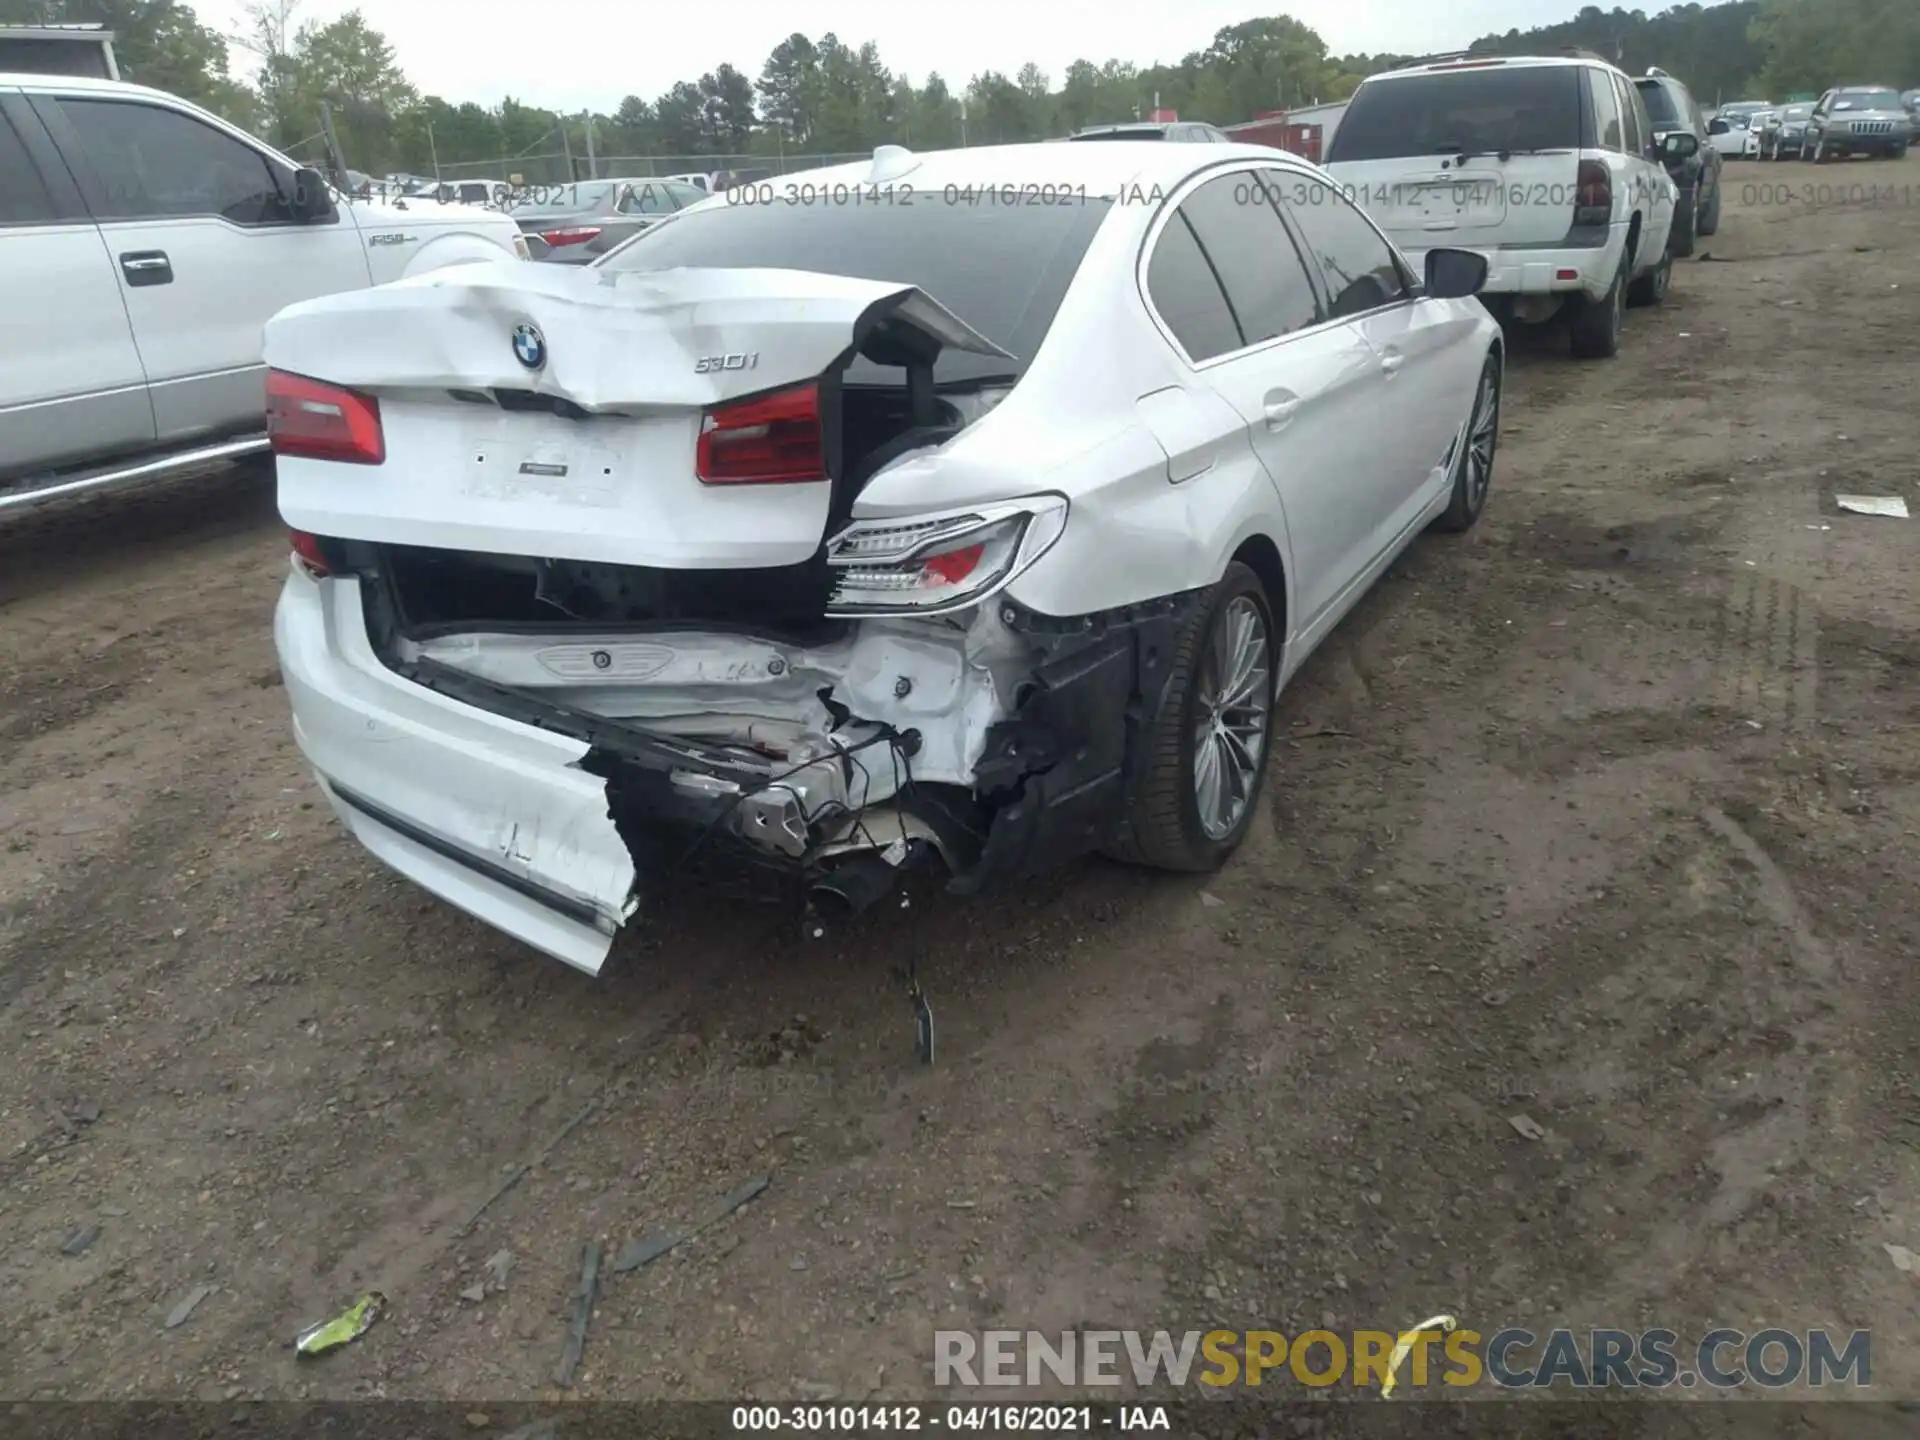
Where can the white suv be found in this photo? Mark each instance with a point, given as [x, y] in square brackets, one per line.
[1547, 166]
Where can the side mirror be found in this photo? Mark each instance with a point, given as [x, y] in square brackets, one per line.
[1455, 274]
[1679, 145]
[537, 247]
[312, 200]
[1719, 127]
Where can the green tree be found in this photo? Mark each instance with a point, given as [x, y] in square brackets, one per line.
[1813, 44]
[997, 111]
[351, 67]
[157, 42]
[726, 110]
[679, 118]
[936, 115]
[788, 81]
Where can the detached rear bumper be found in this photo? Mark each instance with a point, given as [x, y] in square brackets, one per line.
[491, 815]
[538, 819]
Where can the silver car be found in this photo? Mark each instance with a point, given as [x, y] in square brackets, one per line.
[1858, 120]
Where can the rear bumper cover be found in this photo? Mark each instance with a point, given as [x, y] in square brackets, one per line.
[1584, 264]
[493, 816]
[548, 824]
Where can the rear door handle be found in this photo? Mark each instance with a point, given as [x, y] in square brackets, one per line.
[1391, 362]
[147, 267]
[1281, 410]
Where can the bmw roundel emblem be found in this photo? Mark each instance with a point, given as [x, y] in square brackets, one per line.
[529, 346]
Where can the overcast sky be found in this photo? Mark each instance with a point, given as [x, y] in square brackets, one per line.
[593, 53]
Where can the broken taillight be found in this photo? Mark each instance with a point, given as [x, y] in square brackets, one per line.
[1593, 194]
[769, 440]
[317, 421]
[311, 552]
[573, 235]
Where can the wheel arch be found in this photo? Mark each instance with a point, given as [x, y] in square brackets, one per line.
[1260, 554]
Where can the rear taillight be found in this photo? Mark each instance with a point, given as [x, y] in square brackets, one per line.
[311, 552]
[770, 440]
[316, 421]
[1593, 194]
[575, 235]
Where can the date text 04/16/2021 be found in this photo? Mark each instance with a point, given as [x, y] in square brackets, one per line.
[883, 1419]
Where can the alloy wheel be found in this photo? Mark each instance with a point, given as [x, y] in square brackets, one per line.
[1483, 433]
[1232, 705]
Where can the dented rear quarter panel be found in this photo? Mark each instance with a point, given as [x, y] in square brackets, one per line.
[1132, 534]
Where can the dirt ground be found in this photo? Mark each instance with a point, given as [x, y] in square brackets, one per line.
[1606, 815]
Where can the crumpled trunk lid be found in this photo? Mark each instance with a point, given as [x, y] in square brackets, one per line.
[552, 411]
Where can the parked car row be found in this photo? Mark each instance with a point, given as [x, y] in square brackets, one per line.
[1847, 121]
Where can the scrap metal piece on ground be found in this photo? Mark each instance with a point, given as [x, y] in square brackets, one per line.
[1891, 506]
[583, 1299]
[644, 1251]
[81, 1240]
[177, 1316]
[514, 1176]
[350, 1324]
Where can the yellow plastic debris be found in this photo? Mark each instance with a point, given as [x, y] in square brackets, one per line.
[350, 1324]
[1405, 1343]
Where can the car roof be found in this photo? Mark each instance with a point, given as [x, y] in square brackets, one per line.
[1493, 62]
[32, 80]
[1093, 171]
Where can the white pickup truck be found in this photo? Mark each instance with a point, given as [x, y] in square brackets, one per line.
[144, 244]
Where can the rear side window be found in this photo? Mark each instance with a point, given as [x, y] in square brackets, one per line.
[1606, 111]
[1634, 119]
[23, 195]
[1253, 255]
[1659, 102]
[1002, 269]
[1477, 112]
[1359, 266]
[1183, 288]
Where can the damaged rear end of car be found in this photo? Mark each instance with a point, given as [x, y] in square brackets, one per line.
[581, 611]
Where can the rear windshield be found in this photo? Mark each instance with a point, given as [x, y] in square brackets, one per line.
[1150, 132]
[1002, 269]
[1660, 103]
[1450, 112]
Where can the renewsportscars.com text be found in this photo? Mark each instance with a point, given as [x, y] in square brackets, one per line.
[1512, 1358]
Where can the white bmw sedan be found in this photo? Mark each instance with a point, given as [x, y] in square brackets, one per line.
[974, 505]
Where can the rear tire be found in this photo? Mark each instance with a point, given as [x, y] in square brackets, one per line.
[1710, 220]
[1202, 732]
[1651, 288]
[1473, 466]
[1595, 327]
[1686, 222]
